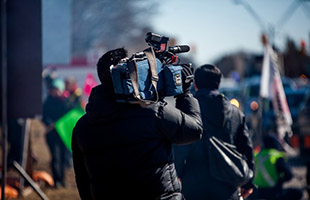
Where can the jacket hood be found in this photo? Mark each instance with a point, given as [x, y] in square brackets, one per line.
[102, 106]
[215, 105]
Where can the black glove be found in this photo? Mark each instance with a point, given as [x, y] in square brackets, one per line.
[187, 77]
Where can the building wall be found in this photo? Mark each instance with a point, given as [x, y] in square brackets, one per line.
[56, 31]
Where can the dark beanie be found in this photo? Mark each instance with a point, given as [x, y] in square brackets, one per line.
[208, 76]
[109, 58]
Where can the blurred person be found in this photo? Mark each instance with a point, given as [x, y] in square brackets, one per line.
[254, 124]
[191, 160]
[48, 75]
[124, 151]
[72, 93]
[54, 107]
[272, 171]
[73, 99]
[304, 135]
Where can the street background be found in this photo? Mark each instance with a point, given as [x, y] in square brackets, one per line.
[226, 33]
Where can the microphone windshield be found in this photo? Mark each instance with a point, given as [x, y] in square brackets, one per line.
[179, 49]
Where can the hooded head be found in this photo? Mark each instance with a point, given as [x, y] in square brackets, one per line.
[58, 84]
[208, 76]
[102, 105]
[109, 58]
[57, 88]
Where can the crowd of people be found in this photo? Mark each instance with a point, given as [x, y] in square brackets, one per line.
[158, 151]
[63, 95]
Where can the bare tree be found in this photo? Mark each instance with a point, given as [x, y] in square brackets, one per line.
[112, 23]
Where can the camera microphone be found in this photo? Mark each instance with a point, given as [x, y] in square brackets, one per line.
[179, 49]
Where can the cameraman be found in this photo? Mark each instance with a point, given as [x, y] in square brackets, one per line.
[124, 151]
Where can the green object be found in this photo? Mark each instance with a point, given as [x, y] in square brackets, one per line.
[266, 174]
[66, 123]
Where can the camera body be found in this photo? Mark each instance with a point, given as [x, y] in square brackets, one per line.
[149, 75]
[158, 42]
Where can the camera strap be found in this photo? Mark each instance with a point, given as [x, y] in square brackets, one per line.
[153, 67]
[132, 67]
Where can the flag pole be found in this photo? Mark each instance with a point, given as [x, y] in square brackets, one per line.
[260, 115]
[261, 100]
[272, 88]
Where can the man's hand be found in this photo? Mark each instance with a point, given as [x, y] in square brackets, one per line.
[49, 128]
[187, 77]
[245, 193]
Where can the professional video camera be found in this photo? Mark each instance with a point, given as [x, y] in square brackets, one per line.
[151, 73]
[167, 55]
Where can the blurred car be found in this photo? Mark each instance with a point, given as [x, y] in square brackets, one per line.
[302, 133]
[250, 100]
[230, 88]
[250, 88]
[299, 104]
[296, 100]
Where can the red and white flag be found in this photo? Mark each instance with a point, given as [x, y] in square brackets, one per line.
[271, 87]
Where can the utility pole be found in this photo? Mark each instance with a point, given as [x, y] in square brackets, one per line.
[306, 9]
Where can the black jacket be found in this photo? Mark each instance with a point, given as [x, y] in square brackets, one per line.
[53, 109]
[124, 151]
[191, 160]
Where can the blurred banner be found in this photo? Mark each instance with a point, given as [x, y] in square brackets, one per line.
[271, 88]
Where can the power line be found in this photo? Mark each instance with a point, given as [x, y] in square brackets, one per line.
[305, 6]
[287, 14]
[271, 29]
[252, 12]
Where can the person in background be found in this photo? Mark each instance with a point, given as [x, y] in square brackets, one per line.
[48, 75]
[54, 107]
[272, 171]
[72, 93]
[124, 151]
[191, 160]
[304, 136]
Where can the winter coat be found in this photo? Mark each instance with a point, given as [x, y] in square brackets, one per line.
[53, 109]
[124, 151]
[191, 160]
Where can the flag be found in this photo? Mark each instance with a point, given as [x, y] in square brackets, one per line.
[66, 123]
[89, 83]
[271, 87]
